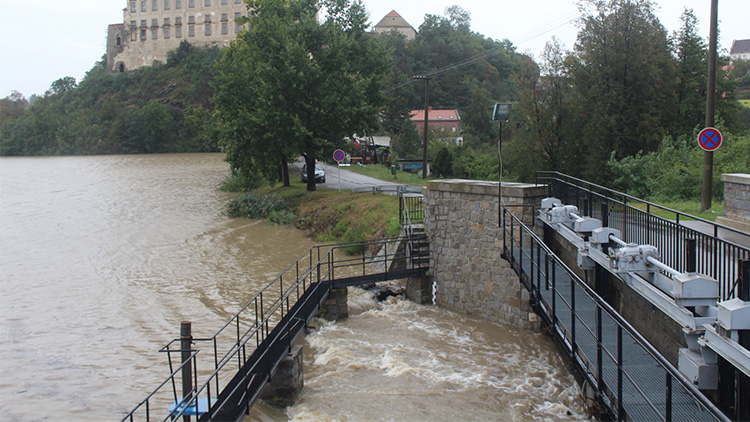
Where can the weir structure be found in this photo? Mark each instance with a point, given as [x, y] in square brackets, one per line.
[223, 378]
[652, 312]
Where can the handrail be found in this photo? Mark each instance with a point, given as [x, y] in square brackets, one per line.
[510, 222]
[319, 264]
[643, 201]
[716, 256]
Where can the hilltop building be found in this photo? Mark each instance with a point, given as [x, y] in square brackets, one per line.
[394, 22]
[151, 28]
[740, 50]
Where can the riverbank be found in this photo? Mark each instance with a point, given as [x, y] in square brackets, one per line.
[325, 215]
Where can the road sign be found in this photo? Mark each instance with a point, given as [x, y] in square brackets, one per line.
[710, 139]
[338, 155]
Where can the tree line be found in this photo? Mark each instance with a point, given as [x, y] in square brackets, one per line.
[291, 85]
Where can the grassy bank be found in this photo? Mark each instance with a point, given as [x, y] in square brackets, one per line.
[326, 215]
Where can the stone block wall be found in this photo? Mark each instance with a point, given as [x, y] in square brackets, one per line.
[461, 218]
[736, 201]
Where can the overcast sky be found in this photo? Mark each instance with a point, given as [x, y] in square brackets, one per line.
[44, 40]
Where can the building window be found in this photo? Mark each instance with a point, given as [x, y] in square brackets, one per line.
[154, 5]
[191, 3]
[207, 25]
[191, 30]
[166, 32]
[178, 31]
[208, 3]
[237, 1]
[143, 34]
[178, 4]
[132, 7]
[224, 28]
[191, 19]
[236, 25]
[143, 5]
[133, 31]
[154, 29]
[166, 5]
[118, 40]
[223, 1]
[122, 67]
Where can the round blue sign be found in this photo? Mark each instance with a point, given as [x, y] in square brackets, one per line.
[710, 139]
[338, 155]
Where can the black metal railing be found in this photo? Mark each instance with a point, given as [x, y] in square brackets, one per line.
[264, 325]
[411, 207]
[719, 248]
[630, 377]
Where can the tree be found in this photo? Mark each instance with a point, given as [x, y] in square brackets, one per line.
[292, 86]
[624, 79]
[62, 86]
[692, 67]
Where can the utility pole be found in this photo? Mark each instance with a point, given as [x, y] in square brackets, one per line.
[426, 121]
[708, 156]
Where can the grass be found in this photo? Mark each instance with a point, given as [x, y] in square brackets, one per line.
[745, 103]
[384, 173]
[687, 207]
[332, 216]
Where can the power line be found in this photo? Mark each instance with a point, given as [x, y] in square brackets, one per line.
[544, 29]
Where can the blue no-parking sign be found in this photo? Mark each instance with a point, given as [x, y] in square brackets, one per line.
[710, 139]
[338, 155]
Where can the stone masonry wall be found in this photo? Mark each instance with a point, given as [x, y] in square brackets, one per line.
[461, 217]
[736, 201]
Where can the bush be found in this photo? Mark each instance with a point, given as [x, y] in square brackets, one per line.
[260, 206]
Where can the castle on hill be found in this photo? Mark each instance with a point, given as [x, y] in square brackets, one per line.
[152, 28]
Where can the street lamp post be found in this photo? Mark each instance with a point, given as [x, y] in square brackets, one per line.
[426, 122]
[500, 113]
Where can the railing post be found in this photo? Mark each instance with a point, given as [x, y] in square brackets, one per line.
[668, 398]
[573, 345]
[599, 369]
[620, 407]
[605, 214]
[691, 255]
[186, 340]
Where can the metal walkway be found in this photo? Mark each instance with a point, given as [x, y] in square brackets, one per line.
[629, 376]
[228, 372]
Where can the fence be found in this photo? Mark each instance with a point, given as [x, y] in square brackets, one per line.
[629, 376]
[717, 257]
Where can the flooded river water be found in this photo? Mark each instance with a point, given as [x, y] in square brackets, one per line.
[102, 257]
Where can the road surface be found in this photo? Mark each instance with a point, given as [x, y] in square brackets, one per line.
[349, 179]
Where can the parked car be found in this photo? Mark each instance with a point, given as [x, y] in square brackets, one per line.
[320, 174]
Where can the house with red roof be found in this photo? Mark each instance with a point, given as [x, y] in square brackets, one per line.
[446, 122]
[394, 22]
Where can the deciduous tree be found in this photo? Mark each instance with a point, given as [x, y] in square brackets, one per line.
[290, 85]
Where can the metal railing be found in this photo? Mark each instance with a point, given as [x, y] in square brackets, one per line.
[629, 375]
[411, 209]
[390, 189]
[717, 256]
[254, 330]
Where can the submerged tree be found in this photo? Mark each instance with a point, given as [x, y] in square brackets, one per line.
[292, 86]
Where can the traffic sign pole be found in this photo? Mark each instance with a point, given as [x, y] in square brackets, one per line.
[339, 156]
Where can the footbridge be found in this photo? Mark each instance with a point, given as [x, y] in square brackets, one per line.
[595, 256]
[220, 377]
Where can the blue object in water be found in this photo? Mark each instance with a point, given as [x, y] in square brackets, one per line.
[191, 410]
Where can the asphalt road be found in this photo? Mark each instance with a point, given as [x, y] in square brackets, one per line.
[348, 181]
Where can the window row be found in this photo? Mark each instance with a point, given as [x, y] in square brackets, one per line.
[167, 26]
[177, 4]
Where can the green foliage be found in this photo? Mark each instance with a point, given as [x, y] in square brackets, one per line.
[675, 172]
[292, 86]
[250, 205]
[163, 108]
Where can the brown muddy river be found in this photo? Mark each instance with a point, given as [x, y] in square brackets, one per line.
[102, 257]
